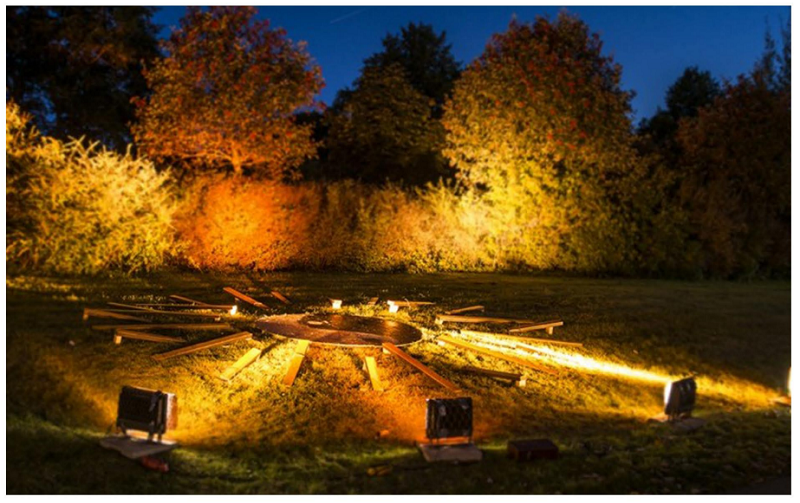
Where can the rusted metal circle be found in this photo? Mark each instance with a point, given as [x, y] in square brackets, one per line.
[340, 329]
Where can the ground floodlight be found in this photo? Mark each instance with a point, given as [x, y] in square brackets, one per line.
[234, 310]
[393, 308]
[336, 303]
[146, 410]
[679, 398]
[448, 418]
[448, 426]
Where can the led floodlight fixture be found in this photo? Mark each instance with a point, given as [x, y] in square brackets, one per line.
[679, 398]
[146, 410]
[448, 418]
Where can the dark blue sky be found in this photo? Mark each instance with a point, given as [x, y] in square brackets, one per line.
[653, 44]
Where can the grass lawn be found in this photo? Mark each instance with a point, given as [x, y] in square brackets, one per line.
[254, 435]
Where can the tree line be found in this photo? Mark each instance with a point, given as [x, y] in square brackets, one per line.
[537, 130]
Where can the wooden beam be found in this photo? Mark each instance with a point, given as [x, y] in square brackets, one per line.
[545, 325]
[246, 298]
[408, 303]
[240, 364]
[156, 311]
[126, 306]
[109, 313]
[452, 318]
[464, 310]
[296, 362]
[143, 336]
[278, 295]
[524, 339]
[496, 354]
[399, 353]
[372, 301]
[179, 326]
[516, 378]
[187, 299]
[372, 370]
[220, 341]
[210, 307]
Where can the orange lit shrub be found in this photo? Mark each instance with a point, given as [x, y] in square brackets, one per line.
[227, 222]
[265, 225]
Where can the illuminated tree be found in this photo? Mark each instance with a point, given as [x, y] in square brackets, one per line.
[226, 93]
[539, 122]
[386, 131]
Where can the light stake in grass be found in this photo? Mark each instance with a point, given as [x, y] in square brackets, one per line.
[234, 310]
[336, 303]
[393, 308]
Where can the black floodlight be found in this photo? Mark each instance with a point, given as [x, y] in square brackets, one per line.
[679, 398]
[448, 418]
[146, 410]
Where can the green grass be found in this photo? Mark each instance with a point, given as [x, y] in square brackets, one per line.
[254, 435]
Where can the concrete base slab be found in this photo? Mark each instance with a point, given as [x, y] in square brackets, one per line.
[459, 453]
[135, 448]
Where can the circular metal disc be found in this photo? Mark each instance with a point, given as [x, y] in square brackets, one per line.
[340, 329]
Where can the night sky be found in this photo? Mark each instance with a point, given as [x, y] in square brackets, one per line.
[653, 44]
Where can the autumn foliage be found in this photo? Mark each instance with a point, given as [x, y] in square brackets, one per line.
[225, 94]
[539, 126]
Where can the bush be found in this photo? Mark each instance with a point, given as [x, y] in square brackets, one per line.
[78, 208]
[227, 223]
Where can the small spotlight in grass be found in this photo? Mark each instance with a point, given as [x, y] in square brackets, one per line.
[393, 308]
[448, 428]
[336, 303]
[234, 310]
[679, 398]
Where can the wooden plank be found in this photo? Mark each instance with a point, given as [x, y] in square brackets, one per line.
[187, 299]
[452, 318]
[178, 326]
[210, 307]
[545, 325]
[278, 295]
[408, 303]
[220, 341]
[524, 339]
[156, 311]
[145, 336]
[372, 369]
[109, 313]
[399, 353]
[296, 362]
[464, 310]
[496, 354]
[246, 298]
[183, 313]
[294, 368]
[126, 306]
[240, 364]
[372, 301]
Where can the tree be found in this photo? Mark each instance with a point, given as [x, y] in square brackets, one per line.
[75, 69]
[693, 90]
[540, 124]
[736, 176]
[424, 55]
[386, 131]
[225, 95]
